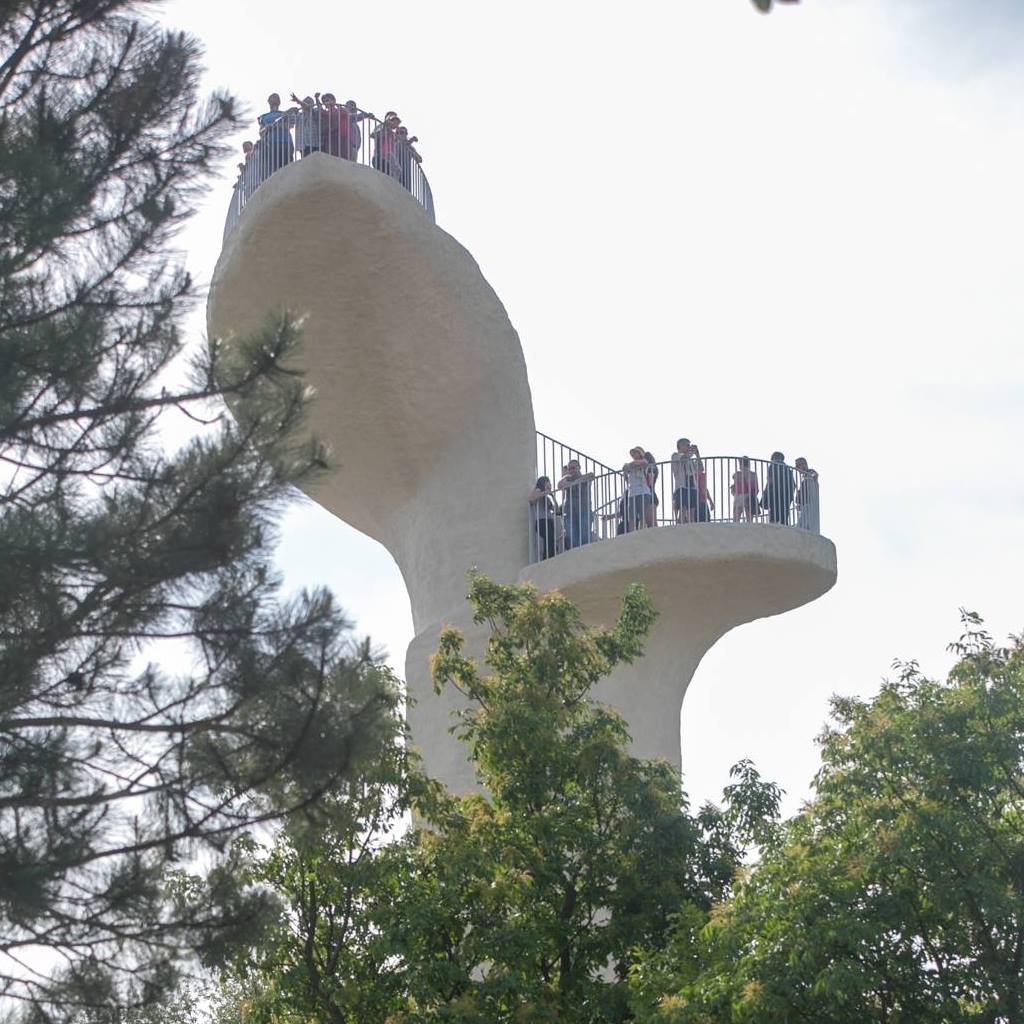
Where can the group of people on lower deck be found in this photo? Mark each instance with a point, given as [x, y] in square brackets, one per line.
[320, 124]
[636, 502]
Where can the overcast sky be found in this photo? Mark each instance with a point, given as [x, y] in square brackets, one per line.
[800, 231]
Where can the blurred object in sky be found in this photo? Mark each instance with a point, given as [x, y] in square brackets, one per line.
[764, 6]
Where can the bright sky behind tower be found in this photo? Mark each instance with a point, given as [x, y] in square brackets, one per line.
[797, 232]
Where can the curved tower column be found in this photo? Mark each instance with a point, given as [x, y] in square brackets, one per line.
[421, 386]
[423, 398]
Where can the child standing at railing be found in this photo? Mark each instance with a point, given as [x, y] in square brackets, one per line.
[744, 490]
[806, 499]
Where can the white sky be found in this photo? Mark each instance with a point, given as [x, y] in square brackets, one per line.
[800, 231]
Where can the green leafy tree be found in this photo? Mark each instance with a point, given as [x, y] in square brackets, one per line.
[328, 958]
[528, 901]
[118, 759]
[898, 894]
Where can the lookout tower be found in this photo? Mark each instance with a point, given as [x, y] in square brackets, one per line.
[423, 396]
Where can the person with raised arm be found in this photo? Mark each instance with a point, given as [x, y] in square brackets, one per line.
[307, 124]
[355, 135]
[639, 499]
[685, 493]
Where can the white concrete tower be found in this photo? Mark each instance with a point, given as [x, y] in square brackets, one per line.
[423, 398]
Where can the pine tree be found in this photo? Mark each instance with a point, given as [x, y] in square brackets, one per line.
[157, 696]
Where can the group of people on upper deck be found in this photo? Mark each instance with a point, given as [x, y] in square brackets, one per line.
[320, 124]
[635, 499]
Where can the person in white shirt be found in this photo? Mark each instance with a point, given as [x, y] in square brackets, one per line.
[639, 499]
[685, 490]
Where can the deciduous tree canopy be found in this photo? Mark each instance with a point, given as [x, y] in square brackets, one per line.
[529, 901]
[898, 894]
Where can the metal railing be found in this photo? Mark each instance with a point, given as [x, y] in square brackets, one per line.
[333, 130]
[598, 504]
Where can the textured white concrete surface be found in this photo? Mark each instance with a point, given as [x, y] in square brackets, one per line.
[704, 579]
[422, 389]
[423, 397]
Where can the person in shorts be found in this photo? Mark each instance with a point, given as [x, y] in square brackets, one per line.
[744, 492]
[639, 499]
[685, 488]
[543, 510]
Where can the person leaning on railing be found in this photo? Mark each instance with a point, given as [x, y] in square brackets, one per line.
[355, 135]
[576, 506]
[639, 499]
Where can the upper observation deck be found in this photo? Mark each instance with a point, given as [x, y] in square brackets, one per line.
[337, 130]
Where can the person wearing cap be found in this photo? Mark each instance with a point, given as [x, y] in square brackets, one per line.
[639, 499]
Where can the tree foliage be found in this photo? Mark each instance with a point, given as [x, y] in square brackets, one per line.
[527, 901]
[898, 894]
[118, 759]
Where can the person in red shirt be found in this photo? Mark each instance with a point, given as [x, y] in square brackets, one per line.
[385, 156]
[334, 127]
[744, 489]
